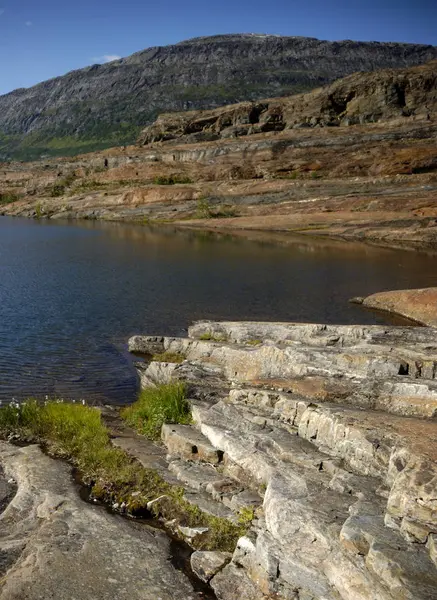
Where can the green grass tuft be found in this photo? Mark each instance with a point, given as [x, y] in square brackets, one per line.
[77, 433]
[70, 430]
[205, 337]
[254, 342]
[156, 406]
[61, 186]
[169, 357]
[208, 336]
[8, 197]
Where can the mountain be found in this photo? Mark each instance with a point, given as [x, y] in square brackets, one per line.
[107, 105]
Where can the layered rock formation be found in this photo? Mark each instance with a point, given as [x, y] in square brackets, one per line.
[328, 434]
[103, 105]
[360, 98]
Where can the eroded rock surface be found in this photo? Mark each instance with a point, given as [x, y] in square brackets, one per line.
[328, 436]
[53, 545]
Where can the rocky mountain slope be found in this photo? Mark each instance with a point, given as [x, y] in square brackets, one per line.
[357, 99]
[105, 105]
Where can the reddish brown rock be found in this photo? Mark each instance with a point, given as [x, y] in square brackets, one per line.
[419, 305]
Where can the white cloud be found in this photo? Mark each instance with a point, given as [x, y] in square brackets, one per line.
[28, 23]
[106, 58]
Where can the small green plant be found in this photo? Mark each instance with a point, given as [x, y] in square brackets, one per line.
[254, 342]
[156, 406]
[8, 197]
[203, 210]
[315, 175]
[39, 211]
[205, 337]
[57, 190]
[222, 212]
[292, 175]
[168, 357]
[246, 516]
[61, 186]
[87, 186]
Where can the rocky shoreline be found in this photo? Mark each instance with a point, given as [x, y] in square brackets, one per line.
[315, 445]
[325, 435]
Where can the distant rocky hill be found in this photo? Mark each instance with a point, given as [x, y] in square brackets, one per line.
[357, 99]
[106, 105]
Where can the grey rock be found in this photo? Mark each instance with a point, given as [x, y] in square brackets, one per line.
[62, 548]
[189, 443]
[195, 475]
[146, 344]
[207, 564]
[191, 533]
[233, 583]
[327, 433]
[158, 373]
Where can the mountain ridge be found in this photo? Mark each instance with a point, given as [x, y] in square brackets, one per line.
[106, 105]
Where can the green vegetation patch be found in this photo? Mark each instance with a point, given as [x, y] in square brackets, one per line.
[156, 406]
[212, 337]
[87, 186]
[204, 210]
[69, 430]
[61, 186]
[39, 211]
[171, 179]
[77, 433]
[8, 197]
[290, 175]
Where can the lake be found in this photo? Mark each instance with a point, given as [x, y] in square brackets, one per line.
[72, 294]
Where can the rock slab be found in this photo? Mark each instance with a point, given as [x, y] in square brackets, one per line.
[420, 305]
[62, 548]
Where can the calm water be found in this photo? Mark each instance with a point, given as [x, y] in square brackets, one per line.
[71, 295]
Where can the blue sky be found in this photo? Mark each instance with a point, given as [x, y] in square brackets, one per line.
[40, 39]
